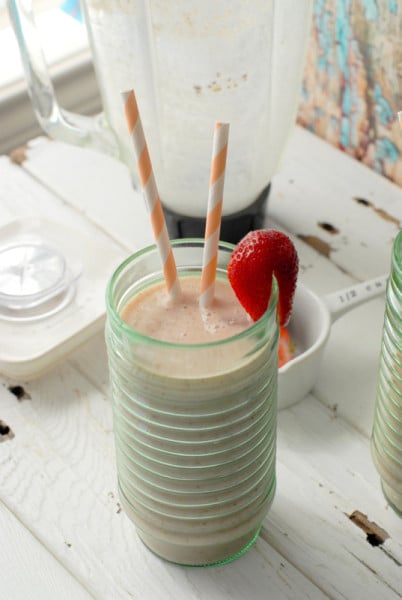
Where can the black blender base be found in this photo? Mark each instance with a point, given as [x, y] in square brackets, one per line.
[233, 227]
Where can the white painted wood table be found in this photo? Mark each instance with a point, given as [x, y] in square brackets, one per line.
[63, 533]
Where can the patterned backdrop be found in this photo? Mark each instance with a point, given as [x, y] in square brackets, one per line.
[352, 87]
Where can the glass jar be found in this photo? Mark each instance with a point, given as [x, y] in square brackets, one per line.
[195, 424]
[386, 441]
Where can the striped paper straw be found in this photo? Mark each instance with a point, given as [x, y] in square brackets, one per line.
[151, 193]
[214, 213]
[400, 118]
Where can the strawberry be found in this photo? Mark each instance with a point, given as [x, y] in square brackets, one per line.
[286, 349]
[258, 256]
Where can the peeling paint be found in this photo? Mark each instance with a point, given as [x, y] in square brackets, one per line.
[379, 211]
[6, 432]
[19, 392]
[317, 243]
[376, 535]
[19, 156]
[386, 216]
[329, 228]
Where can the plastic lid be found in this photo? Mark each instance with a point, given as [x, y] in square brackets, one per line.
[34, 281]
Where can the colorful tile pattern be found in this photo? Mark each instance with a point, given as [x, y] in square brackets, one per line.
[352, 87]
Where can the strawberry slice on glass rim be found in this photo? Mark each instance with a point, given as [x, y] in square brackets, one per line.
[257, 257]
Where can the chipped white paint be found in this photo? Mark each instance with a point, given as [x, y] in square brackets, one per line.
[60, 517]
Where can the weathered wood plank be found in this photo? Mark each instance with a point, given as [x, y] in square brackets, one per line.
[344, 209]
[57, 475]
[325, 473]
[28, 570]
[107, 198]
[70, 440]
[348, 375]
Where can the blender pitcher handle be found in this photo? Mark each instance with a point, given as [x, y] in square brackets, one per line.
[60, 124]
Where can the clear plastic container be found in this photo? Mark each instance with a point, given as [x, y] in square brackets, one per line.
[52, 287]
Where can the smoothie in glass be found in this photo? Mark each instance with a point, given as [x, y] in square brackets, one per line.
[194, 412]
[386, 438]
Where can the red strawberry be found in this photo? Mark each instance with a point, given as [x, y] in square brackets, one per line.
[258, 256]
[286, 350]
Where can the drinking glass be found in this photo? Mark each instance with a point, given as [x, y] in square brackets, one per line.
[386, 441]
[194, 424]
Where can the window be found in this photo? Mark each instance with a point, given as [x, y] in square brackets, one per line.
[67, 54]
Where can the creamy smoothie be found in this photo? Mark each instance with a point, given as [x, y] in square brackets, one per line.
[153, 313]
[194, 412]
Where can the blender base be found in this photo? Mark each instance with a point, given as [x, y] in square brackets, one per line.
[233, 227]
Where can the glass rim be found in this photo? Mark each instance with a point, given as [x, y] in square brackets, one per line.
[133, 334]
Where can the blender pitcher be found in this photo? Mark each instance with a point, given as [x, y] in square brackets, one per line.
[191, 63]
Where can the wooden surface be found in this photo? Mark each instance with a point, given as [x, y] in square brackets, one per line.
[64, 534]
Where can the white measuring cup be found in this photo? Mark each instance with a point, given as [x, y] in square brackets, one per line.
[310, 326]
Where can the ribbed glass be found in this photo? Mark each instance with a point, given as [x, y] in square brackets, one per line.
[386, 441]
[195, 424]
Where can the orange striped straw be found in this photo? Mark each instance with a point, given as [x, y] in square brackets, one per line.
[400, 118]
[214, 213]
[151, 194]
